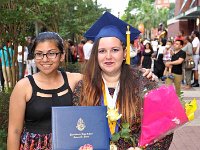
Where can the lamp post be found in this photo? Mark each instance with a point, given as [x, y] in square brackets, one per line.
[118, 14]
[96, 4]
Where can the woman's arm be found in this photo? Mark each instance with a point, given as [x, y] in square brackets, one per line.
[16, 114]
[77, 93]
[73, 79]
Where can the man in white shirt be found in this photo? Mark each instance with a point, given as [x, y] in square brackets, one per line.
[195, 48]
[22, 58]
[154, 44]
[87, 48]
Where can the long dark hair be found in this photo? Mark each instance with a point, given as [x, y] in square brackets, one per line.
[91, 92]
[196, 33]
[150, 47]
[48, 36]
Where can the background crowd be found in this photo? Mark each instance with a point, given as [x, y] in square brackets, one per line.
[156, 52]
[145, 53]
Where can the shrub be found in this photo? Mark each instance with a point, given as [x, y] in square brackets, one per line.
[73, 67]
[4, 105]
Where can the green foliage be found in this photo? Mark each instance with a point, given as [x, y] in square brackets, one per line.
[69, 18]
[146, 13]
[19, 19]
[4, 104]
[3, 136]
[73, 67]
[125, 134]
[180, 95]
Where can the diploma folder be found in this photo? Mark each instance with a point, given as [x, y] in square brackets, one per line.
[74, 126]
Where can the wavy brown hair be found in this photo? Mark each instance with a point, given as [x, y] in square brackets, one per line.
[92, 87]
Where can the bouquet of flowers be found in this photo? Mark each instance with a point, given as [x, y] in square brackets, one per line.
[162, 113]
[124, 133]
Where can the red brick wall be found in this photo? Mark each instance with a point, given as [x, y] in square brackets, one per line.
[178, 7]
[183, 26]
[186, 25]
[162, 3]
[174, 28]
[187, 6]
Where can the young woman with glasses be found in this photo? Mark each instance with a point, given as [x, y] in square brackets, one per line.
[32, 98]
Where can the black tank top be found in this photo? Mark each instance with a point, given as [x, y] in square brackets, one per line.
[38, 109]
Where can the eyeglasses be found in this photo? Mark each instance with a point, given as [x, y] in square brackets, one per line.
[50, 55]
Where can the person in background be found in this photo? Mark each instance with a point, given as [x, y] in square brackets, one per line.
[189, 55]
[176, 62]
[6, 55]
[154, 44]
[133, 55]
[138, 47]
[180, 36]
[160, 28]
[146, 59]
[22, 59]
[109, 81]
[80, 51]
[159, 65]
[31, 67]
[195, 49]
[1, 72]
[167, 56]
[87, 48]
[72, 51]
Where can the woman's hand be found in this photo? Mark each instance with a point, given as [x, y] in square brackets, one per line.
[147, 73]
[86, 147]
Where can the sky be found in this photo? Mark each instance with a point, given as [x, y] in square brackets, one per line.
[116, 6]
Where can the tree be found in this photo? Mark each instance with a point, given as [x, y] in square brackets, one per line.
[14, 21]
[143, 11]
[20, 18]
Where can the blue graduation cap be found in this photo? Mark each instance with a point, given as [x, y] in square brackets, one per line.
[110, 26]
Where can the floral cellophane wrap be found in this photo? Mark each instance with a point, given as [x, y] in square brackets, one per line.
[162, 113]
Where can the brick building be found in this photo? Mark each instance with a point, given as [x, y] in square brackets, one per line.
[186, 17]
[162, 4]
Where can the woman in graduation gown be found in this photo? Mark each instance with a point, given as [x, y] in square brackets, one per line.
[109, 81]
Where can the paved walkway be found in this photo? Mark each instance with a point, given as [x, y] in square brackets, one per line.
[187, 137]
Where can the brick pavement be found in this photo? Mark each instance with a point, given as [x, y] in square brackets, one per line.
[187, 137]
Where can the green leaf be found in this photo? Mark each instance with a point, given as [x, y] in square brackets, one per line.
[124, 131]
[125, 125]
[125, 136]
[133, 141]
[115, 137]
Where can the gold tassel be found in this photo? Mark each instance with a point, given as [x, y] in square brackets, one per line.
[128, 33]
